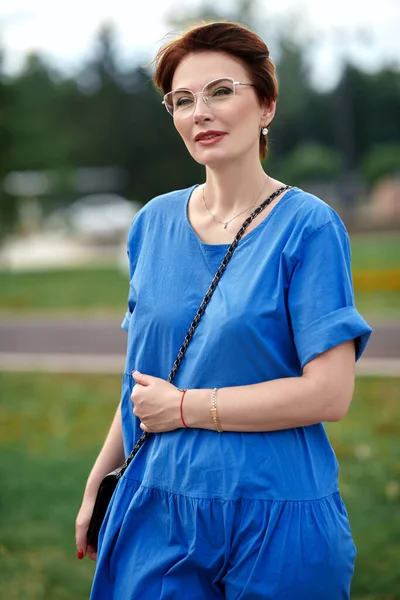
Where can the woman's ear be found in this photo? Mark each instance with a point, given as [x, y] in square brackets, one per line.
[268, 113]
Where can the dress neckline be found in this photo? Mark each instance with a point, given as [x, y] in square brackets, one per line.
[246, 236]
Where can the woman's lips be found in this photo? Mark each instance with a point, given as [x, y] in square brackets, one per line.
[213, 139]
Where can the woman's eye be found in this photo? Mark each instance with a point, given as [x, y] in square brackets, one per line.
[184, 101]
[222, 91]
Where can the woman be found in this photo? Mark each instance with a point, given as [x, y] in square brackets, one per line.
[235, 493]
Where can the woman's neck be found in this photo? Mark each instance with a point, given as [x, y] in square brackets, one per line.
[232, 188]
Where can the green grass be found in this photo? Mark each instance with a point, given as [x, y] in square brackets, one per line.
[94, 291]
[378, 305]
[52, 428]
[375, 251]
[104, 291]
[367, 446]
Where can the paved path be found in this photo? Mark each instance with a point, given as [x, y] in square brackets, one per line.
[98, 345]
[66, 336]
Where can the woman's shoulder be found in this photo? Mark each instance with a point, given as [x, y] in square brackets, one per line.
[166, 202]
[157, 210]
[310, 212]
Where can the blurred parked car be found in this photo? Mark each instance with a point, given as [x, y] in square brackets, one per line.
[102, 217]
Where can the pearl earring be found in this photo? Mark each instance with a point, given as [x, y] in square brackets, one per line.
[264, 131]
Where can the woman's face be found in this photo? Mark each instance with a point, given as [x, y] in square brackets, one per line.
[236, 121]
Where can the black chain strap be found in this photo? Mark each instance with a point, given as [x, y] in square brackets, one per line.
[202, 309]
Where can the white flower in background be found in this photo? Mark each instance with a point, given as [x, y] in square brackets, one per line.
[362, 451]
[392, 490]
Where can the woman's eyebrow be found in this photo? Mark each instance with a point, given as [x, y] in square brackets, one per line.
[181, 89]
[201, 86]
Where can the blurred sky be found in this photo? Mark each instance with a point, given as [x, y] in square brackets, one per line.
[65, 32]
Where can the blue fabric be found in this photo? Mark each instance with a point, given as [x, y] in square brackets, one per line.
[236, 515]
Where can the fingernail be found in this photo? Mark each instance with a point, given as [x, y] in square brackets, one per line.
[134, 372]
[80, 554]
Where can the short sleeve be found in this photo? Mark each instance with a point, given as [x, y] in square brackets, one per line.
[128, 314]
[132, 258]
[126, 320]
[321, 298]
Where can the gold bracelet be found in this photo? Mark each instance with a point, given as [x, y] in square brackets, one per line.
[214, 412]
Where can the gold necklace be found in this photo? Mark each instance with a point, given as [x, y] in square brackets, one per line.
[226, 223]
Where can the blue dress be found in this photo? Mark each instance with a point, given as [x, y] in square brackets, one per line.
[203, 515]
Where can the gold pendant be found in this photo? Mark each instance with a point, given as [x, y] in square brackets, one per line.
[225, 225]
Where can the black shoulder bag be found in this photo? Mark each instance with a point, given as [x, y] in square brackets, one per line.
[109, 483]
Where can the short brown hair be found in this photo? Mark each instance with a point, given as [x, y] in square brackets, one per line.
[222, 36]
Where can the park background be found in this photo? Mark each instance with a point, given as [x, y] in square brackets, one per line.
[86, 134]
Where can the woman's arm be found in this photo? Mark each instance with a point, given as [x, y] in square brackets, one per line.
[322, 393]
[111, 456]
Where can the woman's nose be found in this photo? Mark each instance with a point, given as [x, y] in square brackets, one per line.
[201, 110]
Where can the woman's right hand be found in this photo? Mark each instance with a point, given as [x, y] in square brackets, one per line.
[111, 455]
[81, 528]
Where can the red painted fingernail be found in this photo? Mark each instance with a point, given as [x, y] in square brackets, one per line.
[80, 554]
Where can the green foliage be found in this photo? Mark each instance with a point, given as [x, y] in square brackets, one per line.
[288, 128]
[311, 162]
[375, 105]
[378, 304]
[107, 116]
[53, 427]
[52, 430]
[366, 445]
[8, 212]
[38, 125]
[381, 160]
[95, 291]
[375, 251]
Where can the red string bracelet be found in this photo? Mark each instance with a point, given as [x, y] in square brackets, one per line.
[181, 407]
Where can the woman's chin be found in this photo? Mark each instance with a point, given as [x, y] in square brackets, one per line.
[212, 159]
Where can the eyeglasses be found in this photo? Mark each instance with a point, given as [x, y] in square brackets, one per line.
[214, 94]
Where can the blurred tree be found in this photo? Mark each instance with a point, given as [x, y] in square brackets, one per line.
[126, 125]
[5, 102]
[366, 115]
[376, 97]
[379, 161]
[8, 210]
[101, 113]
[310, 162]
[345, 119]
[205, 13]
[109, 117]
[348, 182]
[244, 10]
[40, 132]
[290, 126]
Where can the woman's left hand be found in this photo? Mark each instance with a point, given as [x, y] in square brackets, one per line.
[156, 403]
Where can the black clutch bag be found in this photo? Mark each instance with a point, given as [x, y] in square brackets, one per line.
[110, 481]
[104, 493]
